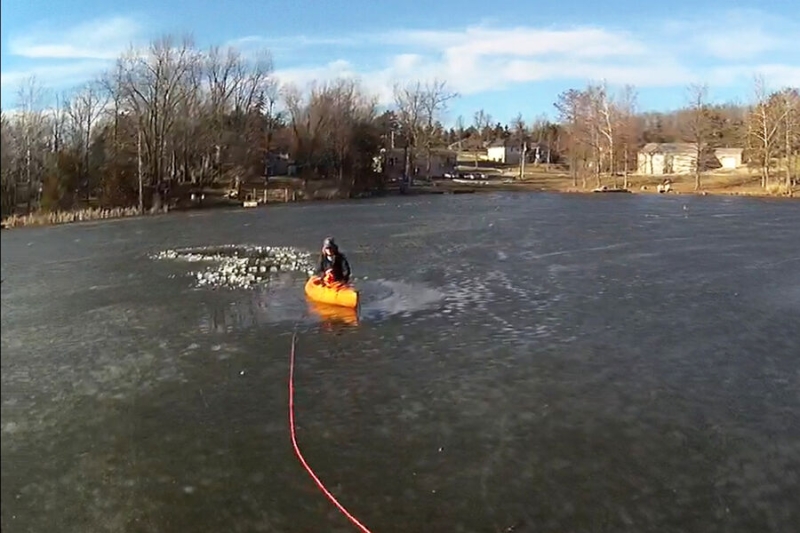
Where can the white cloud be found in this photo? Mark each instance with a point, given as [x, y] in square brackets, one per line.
[522, 41]
[776, 76]
[54, 75]
[735, 35]
[305, 75]
[97, 39]
[656, 75]
[294, 41]
[62, 58]
[481, 59]
[724, 50]
[751, 43]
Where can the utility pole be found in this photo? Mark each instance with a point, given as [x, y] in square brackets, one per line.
[522, 160]
[141, 177]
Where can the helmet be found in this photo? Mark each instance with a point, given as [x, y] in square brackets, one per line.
[329, 243]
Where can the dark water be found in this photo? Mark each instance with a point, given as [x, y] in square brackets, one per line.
[523, 362]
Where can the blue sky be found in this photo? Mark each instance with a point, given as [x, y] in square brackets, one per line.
[507, 58]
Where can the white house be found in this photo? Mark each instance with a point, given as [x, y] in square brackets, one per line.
[667, 158]
[442, 162]
[502, 151]
[729, 158]
[680, 158]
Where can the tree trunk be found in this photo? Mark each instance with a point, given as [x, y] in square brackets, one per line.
[28, 177]
[574, 170]
[697, 162]
[583, 174]
[428, 162]
[597, 168]
[86, 160]
[788, 151]
[140, 172]
[406, 178]
[625, 171]
[611, 163]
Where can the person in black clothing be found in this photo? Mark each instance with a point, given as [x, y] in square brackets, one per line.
[333, 265]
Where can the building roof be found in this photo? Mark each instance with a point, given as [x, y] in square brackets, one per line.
[669, 148]
[420, 150]
[729, 151]
[457, 145]
[514, 143]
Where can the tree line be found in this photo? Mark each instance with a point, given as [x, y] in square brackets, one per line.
[604, 131]
[174, 114]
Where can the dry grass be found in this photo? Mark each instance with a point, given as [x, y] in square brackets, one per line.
[727, 183]
[732, 183]
[68, 217]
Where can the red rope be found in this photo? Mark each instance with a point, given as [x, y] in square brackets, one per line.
[325, 491]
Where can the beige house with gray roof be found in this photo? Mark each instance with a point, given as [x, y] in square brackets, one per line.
[656, 159]
[729, 158]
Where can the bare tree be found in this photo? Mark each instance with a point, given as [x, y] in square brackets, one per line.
[309, 120]
[249, 103]
[273, 115]
[605, 119]
[58, 117]
[593, 128]
[30, 98]
[9, 150]
[435, 98]
[111, 83]
[223, 73]
[151, 89]
[790, 101]
[460, 130]
[84, 110]
[519, 132]
[627, 128]
[409, 100]
[336, 132]
[257, 81]
[481, 121]
[545, 133]
[196, 129]
[766, 118]
[698, 127]
[349, 106]
[571, 106]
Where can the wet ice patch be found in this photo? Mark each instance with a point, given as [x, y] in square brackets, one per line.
[239, 266]
[468, 295]
[385, 298]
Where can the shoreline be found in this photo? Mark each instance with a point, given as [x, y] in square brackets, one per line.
[563, 185]
[60, 218]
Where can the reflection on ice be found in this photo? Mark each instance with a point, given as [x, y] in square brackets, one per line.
[281, 299]
[333, 313]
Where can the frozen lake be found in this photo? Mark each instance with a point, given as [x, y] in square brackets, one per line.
[527, 361]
